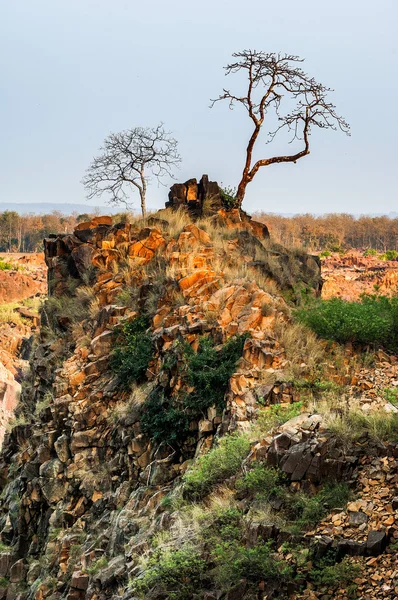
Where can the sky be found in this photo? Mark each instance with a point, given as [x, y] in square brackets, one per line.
[72, 71]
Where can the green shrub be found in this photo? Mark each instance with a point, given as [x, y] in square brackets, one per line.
[163, 421]
[212, 468]
[259, 479]
[4, 582]
[5, 266]
[228, 197]
[341, 574]
[325, 253]
[391, 395]
[370, 252]
[389, 255]
[209, 371]
[276, 415]
[372, 320]
[96, 566]
[307, 511]
[176, 573]
[234, 561]
[132, 352]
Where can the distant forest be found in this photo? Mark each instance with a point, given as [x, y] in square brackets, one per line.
[25, 233]
[333, 232]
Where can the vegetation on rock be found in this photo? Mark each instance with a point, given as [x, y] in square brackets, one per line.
[372, 321]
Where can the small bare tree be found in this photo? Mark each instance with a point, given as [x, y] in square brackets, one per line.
[125, 159]
[271, 79]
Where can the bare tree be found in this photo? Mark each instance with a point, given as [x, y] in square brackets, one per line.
[125, 159]
[271, 79]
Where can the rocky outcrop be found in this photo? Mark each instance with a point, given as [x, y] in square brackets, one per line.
[26, 279]
[81, 474]
[201, 199]
[9, 396]
[353, 274]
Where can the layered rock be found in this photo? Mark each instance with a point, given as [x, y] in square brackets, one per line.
[9, 396]
[83, 470]
[27, 279]
[353, 274]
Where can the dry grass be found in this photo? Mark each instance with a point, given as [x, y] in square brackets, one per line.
[176, 220]
[304, 351]
[9, 314]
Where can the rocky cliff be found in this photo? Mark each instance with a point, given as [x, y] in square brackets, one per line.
[158, 340]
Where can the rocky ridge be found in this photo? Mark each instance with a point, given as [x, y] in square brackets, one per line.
[84, 486]
[24, 280]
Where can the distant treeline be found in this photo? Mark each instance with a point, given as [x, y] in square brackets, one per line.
[25, 233]
[333, 232]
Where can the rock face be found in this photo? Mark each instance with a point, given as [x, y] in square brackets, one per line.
[27, 279]
[201, 199]
[353, 274]
[205, 199]
[9, 396]
[82, 474]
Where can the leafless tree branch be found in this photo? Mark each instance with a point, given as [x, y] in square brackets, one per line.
[271, 79]
[124, 161]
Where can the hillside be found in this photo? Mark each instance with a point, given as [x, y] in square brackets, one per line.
[180, 435]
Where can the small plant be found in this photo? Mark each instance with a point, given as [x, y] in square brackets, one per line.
[261, 479]
[234, 561]
[132, 352]
[276, 415]
[389, 255]
[178, 574]
[4, 547]
[325, 253]
[44, 403]
[6, 266]
[209, 372]
[228, 197]
[96, 566]
[307, 511]
[163, 421]
[221, 462]
[370, 252]
[341, 574]
[391, 395]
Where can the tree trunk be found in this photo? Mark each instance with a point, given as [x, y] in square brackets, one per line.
[143, 203]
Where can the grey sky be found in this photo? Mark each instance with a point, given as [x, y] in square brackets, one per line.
[74, 70]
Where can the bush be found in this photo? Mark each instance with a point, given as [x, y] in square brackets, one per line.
[209, 371]
[5, 266]
[389, 255]
[176, 573]
[276, 415]
[164, 422]
[340, 574]
[370, 252]
[221, 462]
[228, 197]
[307, 511]
[372, 320]
[132, 352]
[234, 561]
[98, 565]
[259, 479]
[391, 395]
